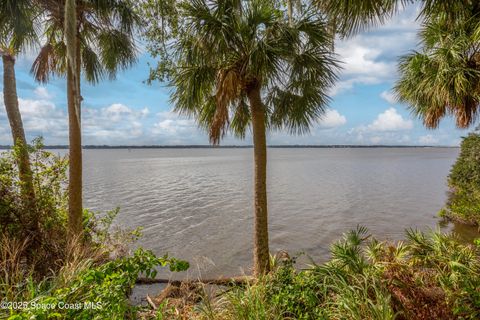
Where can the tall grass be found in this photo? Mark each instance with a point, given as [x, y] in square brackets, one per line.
[427, 276]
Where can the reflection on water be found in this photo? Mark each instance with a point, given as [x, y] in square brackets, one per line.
[466, 233]
[196, 203]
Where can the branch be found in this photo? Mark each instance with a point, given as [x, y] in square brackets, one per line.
[150, 301]
[220, 281]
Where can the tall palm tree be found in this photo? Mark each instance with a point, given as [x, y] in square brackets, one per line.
[75, 132]
[443, 78]
[17, 30]
[242, 65]
[103, 43]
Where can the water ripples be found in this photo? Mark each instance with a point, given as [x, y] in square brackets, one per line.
[197, 203]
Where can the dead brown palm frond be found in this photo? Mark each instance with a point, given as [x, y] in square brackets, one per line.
[466, 113]
[45, 64]
[228, 89]
[433, 116]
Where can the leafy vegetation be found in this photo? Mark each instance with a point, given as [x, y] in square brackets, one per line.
[429, 276]
[269, 70]
[85, 290]
[87, 279]
[442, 78]
[49, 180]
[464, 181]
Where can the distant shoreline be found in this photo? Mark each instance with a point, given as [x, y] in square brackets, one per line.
[89, 147]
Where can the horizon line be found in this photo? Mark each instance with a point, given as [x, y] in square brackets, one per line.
[207, 146]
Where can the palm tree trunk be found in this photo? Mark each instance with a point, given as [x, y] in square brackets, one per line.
[13, 113]
[290, 12]
[261, 253]
[75, 214]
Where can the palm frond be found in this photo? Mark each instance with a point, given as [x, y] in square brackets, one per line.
[253, 45]
[117, 51]
[48, 61]
[91, 64]
[443, 78]
[18, 25]
[349, 17]
[106, 30]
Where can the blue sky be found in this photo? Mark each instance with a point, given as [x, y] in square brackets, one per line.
[127, 111]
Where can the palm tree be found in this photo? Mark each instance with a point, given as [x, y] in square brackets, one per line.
[103, 43]
[241, 65]
[443, 78]
[75, 214]
[16, 32]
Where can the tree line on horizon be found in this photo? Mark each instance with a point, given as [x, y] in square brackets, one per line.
[234, 65]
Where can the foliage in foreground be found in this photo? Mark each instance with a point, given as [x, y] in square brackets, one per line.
[46, 251]
[49, 180]
[464, 181]
[84, 290]
[426, 277]
[88, 279]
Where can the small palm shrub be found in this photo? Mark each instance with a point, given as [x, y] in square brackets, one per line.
[427, 276]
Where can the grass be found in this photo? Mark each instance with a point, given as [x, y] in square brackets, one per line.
[86, 287]
[428, 276]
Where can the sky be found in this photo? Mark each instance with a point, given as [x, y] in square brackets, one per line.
[127, 111]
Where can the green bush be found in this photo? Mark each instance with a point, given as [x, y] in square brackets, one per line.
[95, 291]
[464, 181]
[50, 183]
[88, 279]
[429, 276]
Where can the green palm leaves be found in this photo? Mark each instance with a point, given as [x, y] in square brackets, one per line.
[106, 39]
[444, 77]
[17, 25]
[348, 17]
[227, 48]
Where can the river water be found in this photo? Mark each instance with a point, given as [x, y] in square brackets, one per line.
[196, 204]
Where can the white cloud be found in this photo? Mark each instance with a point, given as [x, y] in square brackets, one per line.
[42, 93]
[172, 128]
[37, 108]
[332, 119]
[361, 60]
[428, 139]
[114, 124]
[364, 135]
[371, 57]
[40, 118]
[116, 112]
[388, 128]
[376, 139]
[388, 96]
[390, 120]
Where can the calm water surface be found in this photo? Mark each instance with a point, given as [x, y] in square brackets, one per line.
[196, 203]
